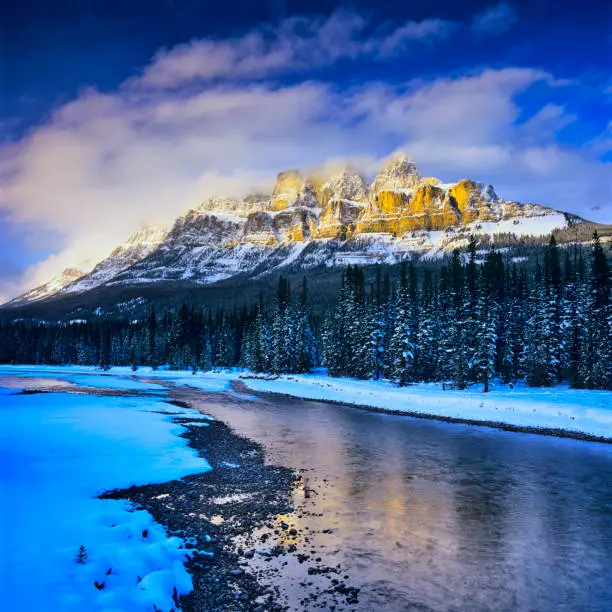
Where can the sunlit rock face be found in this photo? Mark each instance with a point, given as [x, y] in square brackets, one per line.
[291, 215]
[288, 187]
[346, 185]
[306, 197]
[342, 197]
[295, 225]
[198, 227]
[475, 201]
[340, 206]
[240, 207]
[432, 209]
[338, 219]
[426, 207]
[429, 205]
[513, 210]
[259, 229]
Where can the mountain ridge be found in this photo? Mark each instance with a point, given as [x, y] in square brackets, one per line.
[312, 219]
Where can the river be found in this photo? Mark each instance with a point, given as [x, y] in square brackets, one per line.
[427, 515]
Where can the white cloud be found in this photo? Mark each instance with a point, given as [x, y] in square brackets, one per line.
[495, 20]
[106, 162]
[297, 44]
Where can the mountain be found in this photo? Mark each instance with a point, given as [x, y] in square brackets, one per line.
[56, 284]
[309, 220]
[78, 279]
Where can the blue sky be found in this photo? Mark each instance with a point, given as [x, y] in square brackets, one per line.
[117, 113]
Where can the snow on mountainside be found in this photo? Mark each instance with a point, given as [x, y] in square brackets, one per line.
[71, 280]
[312, 220]
[56, 284]
[137, 246]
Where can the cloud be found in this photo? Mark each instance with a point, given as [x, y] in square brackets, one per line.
[297, 44]
[106, 162]
[429, 31]
[495, 20]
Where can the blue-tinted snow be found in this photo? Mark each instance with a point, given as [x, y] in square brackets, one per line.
[58, 452]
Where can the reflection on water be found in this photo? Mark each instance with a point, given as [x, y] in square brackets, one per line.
[438, 516]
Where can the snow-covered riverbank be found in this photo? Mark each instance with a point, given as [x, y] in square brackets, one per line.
[59, 451]
[558, 409]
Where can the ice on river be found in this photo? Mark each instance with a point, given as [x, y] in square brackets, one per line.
[58, 452]
[123, 377]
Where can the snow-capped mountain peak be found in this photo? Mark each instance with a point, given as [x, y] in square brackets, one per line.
[329, 218]
[148, 234]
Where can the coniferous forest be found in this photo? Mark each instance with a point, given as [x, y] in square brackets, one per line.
[476, 319]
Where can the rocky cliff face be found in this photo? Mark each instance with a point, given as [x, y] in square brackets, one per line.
[315, 219]
[341, 206]
[348, 184]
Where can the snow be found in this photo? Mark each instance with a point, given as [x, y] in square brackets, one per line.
[525, 226]
[572, 410]
[121, 377]
[59, 451]
[223, 216]
[350, 202]
[296, 251]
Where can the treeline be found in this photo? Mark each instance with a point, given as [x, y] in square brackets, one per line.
[476, 319]
[276, 338]
[479, 320]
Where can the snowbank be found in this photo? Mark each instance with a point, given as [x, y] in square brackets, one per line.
[125, 378]
[560, 408]
[58, 452]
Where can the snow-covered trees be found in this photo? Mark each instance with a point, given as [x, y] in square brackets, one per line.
[598, 344]
[281, 341]
[477, 320]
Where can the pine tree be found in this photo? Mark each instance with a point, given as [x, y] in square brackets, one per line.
[486, 344]
[599, 346]
[539, 359]
[82, 555]
[403, 341]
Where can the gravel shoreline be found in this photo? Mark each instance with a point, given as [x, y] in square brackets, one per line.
[250, 493]
[229, 516]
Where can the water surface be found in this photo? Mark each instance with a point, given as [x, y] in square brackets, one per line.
[427, 515]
